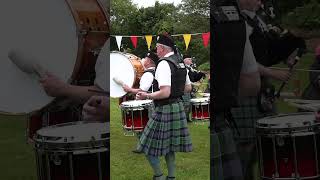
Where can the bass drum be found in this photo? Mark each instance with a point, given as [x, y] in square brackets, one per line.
[126, 68]
[64, 36]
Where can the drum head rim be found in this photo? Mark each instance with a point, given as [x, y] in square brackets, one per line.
[116, 90]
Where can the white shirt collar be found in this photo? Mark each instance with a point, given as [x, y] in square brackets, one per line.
[153, 68]
[169, 54]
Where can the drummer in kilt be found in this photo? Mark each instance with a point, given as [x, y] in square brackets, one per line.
[166, 131]
[146, 81]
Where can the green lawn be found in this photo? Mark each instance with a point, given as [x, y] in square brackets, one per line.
[126, 165]
[17, 157]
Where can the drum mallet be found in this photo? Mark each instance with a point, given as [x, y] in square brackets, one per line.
[26, 63]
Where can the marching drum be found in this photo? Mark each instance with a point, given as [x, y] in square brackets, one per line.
[63, 36]
[61, 112]
[40, 119]
[288, 146]
[135, 114]
[200, 108]
[127, 68]
[73, 151]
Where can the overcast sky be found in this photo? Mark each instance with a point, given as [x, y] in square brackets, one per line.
[147, 3]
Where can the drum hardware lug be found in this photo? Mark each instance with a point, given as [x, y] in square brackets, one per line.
[56, 159]
[82, 32]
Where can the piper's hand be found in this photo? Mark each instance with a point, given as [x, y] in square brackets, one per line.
[280, 75]
[141, 95]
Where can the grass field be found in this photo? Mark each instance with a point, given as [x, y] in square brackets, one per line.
[17, 157]
[126, 165]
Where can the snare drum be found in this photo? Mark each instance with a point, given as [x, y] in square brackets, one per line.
[40, 119]
[288, 147]
[63, 36]
[77, 151]
[135, 114]
[200, 108]
[127, 68]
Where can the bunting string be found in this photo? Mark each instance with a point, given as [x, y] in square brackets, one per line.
[187, 39]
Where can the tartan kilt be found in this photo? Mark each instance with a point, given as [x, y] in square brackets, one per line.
[225, 161]
[186, 102]
[166, 131]
[246, 116]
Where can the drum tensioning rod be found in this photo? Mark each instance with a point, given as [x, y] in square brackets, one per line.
[295, 157]
[260, 154]
[275, 156]
[202, 111]
[141, 117]
[316, 153]
[99, 165]
[132, 121]
[48, 166]
[71, 166]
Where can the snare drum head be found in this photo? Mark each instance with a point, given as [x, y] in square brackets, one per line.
[200, 100]
[122, 69]
[295, 120]
[74, 132]
[44, 30]
[136, 103]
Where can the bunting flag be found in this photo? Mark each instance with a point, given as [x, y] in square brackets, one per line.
[119, 39]
[206, 38]
[134, 40]
[187, 39]
[149, 40]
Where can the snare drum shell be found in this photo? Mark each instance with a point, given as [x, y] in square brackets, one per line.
[200, 109]
[78, 150]
[288, 141]
[135, 114]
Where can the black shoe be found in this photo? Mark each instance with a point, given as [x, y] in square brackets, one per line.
[170, 178]
[157, 177]
[137, 152]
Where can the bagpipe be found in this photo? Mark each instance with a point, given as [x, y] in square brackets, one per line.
[282, 44]
[195, 75]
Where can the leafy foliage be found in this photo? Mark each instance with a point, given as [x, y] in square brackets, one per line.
[192, 16]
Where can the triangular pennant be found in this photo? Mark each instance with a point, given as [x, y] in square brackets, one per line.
[134, 40]
[149, 40]
[119, 39]
[206, 38]
[187, 39]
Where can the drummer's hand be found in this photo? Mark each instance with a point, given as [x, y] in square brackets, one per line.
[141, 95]
[126, 88]
[96, 109]
[53, 85]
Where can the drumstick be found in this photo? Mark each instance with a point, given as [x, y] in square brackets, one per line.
[118, 81]
[100, 92]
